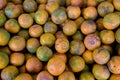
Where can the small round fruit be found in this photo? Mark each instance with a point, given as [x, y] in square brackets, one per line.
[42, 7]
[76, 63]
[41, 1]
[107, 36]
[87, 56]
[87, 13]
[92, 41]
[17, 1]
[88, 27]
[76, 2]
[32, 44]
[111, 21]
[33, 65]
[55, 66]
[3, 3]
[86, 76]
[4, 60]
[92, 3]
[70, 28]
[47, 39]
[5, 49]
[41, 17]
[29, 5]
[115, 77]
[78, 36]
[4, 37]
[59, 16]
[24, 76]
[77, 47]
[35, 30]
[17, 43]
[25, 20]
[101, 55]
[12, 26]
[116, 4]
[50, 27]
[65, 74]
[24, 33]
[61, 45]
[114, 64]
[117, 35]
[100, 72]
[52, 6]
[105, 8]
[2, 18]
[60, 34]
[73, 12]
[12, 11]
[60, 56]
[17, 59]
[9, 73]
[79, 21]
[44, 75]
[99, 24]
[44, 53]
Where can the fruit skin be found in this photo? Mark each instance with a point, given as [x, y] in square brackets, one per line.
[62, 45]
[92, 41]
[55, 66]
[52, 6]
[65, 74]
[4, 60]
[117, 35]
[88, 27]
[100, 72]
[111, 21]
[24, 76]
[87, 13]
[115, 77]
[101, 55]
[44, 75]
[12, 11]
[107, 36]
[76, 63]
[2, 18]
[12, 26]
[17, 43]
[77, 47]
[33, 65]
[105, 8]
[41, 17]
[4, 37]
[44, 53]
[32, 44]
[47, 39]
[116, 4]
[25, 20]
[29, 5]
[69, 28]
[17, 59]
[114, 64]
[50, 27]
[73, 12]
[9, 73]
[3, 3]
[59, 16]
[23, 33]
[86, 75]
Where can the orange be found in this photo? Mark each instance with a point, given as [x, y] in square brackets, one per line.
[55, 66]
[3, 3]
[24, 76]
[115, 77]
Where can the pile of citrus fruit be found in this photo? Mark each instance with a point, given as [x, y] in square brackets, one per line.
[59, 39]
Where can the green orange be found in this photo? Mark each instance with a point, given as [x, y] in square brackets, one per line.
[2, 18]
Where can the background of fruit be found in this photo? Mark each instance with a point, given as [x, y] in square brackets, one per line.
[60, 39]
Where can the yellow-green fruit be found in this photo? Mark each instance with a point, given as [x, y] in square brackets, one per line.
[116, 4]
[4, 60]
[4, 37]
[47, 39]
[2, 18]
[117, 35]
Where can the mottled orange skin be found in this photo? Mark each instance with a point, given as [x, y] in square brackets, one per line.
[99, 24]
[115, 77]
[44, 75]
[65, 74]
[24, 76]
[88, 27]
[114, 65]
[17, 59]
[33, 65]
[55, 66]
[3, 3]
